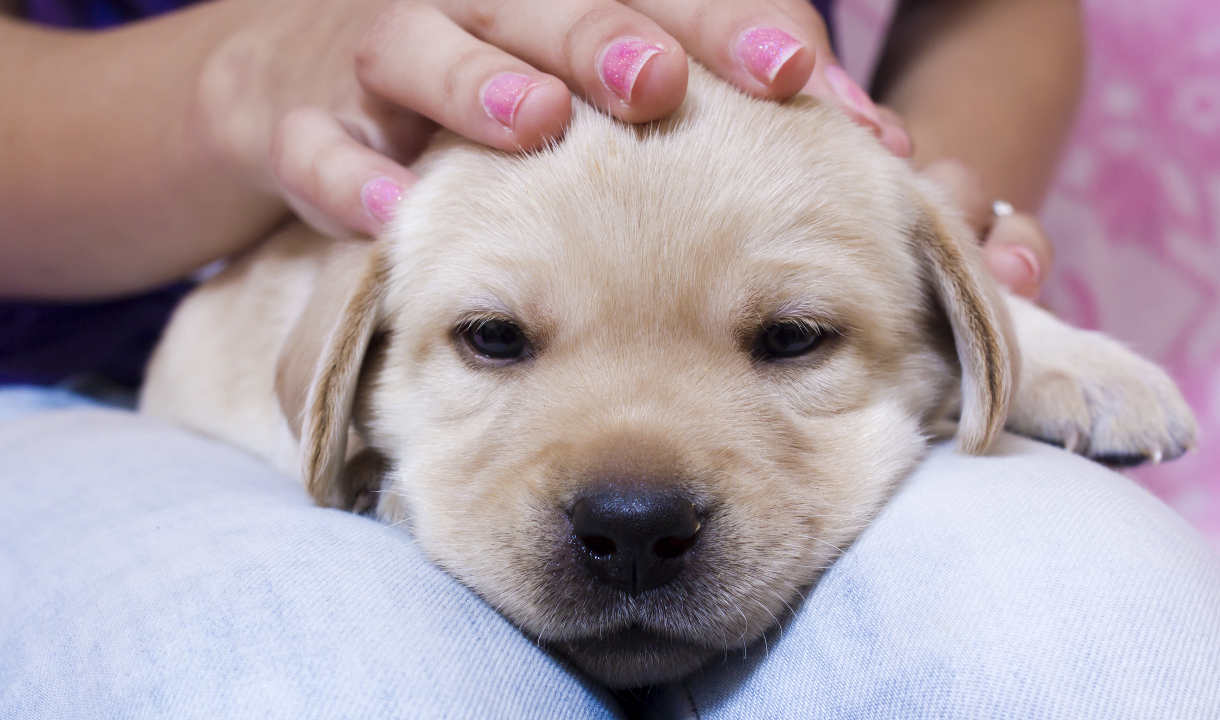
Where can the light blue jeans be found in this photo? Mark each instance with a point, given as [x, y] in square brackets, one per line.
[146, 572]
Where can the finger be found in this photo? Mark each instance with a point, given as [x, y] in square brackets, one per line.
[965, 190]
[894, 133]
[418, 58]
[615, 57]
[332, 181]
[767, 49]
[831, 83]
[1018, 253]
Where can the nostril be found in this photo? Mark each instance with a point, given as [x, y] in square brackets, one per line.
[669, 548]
[598, 545]
[633, 536]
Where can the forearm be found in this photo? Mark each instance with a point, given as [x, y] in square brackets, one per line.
[992, 83]
[107, 184]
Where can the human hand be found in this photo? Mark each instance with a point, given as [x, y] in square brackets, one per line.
[1016, 249]
[325, 102]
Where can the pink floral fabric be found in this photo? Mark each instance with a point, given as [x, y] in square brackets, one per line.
[1135, 213]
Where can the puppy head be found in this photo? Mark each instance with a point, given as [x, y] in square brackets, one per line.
[639, 389]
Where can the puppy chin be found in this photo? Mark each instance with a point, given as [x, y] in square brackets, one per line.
[634, 658]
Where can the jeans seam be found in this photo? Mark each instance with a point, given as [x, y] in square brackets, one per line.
[690, 698]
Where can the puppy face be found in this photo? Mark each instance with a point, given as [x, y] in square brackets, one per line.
[639, 389]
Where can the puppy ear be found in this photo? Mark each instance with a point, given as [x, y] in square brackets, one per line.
[982, 332]
[320, 363]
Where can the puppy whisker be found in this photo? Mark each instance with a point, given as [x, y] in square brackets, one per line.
[609, 323]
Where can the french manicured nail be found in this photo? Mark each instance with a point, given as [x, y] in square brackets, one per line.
[765, 50]
[852, 95]
[502, 95]
[621, 62]
[380, 197]
[1017, 267]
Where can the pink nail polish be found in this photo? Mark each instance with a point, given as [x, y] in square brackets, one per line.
[1029, 262]
[502, 95]
[380, 197]
[1016, 267]
[621, 62]
[765, 50]
[851, 94]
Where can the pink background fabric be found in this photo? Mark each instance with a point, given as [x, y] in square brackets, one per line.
[1135, 212]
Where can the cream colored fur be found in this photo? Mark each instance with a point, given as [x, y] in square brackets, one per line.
[640, 261]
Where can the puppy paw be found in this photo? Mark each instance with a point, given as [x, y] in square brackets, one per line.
[1089, 394]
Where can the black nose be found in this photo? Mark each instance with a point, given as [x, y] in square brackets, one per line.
[634, 538]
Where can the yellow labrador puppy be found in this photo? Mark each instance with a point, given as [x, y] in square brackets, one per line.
[638, 389]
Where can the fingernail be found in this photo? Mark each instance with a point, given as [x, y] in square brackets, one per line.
[1017, 267]
[765, 50]
[621, 62]
[380, 196]
[851, 94]
[503, 94]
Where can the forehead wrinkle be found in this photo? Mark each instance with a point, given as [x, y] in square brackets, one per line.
[610, 213]
[700, 282]
[628, 203]
[438, 279]
[837, 280]
[797, 297]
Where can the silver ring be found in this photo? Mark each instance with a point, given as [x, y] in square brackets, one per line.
[1002, 208]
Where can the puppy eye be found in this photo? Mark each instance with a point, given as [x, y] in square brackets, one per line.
[496, 339]
[787, 339]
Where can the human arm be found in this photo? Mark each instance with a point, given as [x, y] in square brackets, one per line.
[105, 183]
[992, 85]
[134, 155]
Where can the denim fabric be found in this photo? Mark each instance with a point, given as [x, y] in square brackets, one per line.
[17, 401]
[146, 572]
[149, 573]
[1027, 584]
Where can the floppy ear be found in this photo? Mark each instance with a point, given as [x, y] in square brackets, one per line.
[981, 328]
[319, 365]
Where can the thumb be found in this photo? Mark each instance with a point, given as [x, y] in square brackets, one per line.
[1018, 253]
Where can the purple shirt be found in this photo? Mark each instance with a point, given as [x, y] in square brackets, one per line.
[104, 13]
[45, 343]
[96, 13]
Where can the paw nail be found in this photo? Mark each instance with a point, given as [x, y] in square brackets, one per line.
[502, 95]
[621, 62]
[852, 95]
[765, 50]
[380, 196]
[1072, 443]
